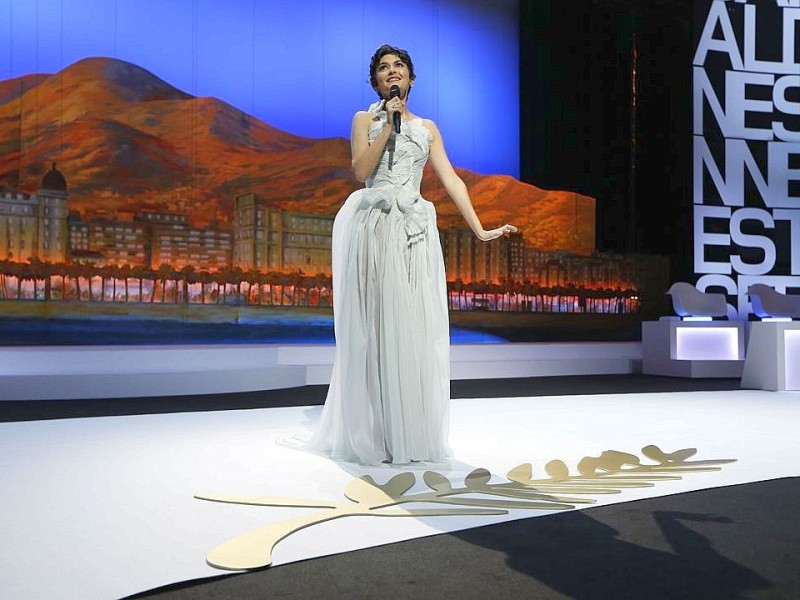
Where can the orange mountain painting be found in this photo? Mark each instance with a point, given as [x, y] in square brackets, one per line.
[129, 142]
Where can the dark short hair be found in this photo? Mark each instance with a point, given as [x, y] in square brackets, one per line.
[379, 54]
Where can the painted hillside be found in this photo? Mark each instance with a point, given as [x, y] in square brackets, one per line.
[128, 141]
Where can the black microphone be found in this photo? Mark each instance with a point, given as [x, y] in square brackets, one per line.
[394, 92]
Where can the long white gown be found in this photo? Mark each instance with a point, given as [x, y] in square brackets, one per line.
[389, 395]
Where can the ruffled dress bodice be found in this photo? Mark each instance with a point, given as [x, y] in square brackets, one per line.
[395, 183]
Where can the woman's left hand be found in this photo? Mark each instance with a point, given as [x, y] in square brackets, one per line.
[492, 234]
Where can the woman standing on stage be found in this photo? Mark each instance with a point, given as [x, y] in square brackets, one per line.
[389, 396]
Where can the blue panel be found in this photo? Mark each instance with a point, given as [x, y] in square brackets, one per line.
[299, 66]
[165, 46]
[87, 29]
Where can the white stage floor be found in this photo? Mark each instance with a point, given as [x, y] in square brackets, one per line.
[101, 508]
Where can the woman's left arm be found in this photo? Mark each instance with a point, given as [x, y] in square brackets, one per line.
[457, 189]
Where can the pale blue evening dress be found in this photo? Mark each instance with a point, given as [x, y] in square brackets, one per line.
[389, 395]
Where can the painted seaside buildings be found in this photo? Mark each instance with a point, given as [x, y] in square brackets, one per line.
[266, 238]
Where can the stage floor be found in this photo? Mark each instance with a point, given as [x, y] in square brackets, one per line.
[104, 507]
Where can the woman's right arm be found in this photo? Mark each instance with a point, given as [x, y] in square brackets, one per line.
[365, 155]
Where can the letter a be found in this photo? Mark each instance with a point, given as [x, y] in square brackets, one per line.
[718, 13]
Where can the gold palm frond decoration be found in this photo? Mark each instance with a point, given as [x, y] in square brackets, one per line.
[610, 473]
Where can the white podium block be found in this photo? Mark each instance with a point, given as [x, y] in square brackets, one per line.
[773, 356]
[679, 348]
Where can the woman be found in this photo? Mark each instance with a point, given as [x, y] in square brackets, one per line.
[389, 396]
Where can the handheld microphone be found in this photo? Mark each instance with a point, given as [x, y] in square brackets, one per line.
[394, 92]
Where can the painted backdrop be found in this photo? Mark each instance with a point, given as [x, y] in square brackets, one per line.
[170, 171]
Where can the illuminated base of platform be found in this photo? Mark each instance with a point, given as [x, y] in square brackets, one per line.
[676, 348]
[773, 356]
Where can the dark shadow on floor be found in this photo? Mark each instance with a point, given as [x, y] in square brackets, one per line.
[722, 543]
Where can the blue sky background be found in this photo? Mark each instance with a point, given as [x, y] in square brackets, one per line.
[300, 66]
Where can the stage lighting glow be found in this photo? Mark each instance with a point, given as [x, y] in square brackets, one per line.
[707, 343]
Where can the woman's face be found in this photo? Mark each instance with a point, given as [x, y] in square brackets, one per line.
[391, 71]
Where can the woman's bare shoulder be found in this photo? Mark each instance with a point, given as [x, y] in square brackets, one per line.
[430, 126]
[363, 115]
